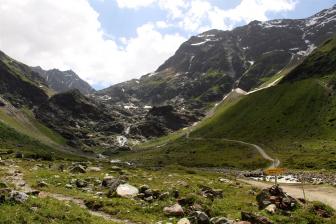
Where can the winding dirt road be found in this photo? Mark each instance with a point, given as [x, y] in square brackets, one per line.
[322, 193]
[275, 162]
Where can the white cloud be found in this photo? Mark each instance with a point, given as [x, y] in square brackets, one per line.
[66, 34]
[134, 4]
[199, 15]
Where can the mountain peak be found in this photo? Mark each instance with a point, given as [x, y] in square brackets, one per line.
[62, 81]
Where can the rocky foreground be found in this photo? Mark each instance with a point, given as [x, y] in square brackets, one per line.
[119, 193]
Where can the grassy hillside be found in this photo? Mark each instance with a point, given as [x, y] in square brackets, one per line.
[23, 121]
[320, 63]
[12, 141]
[294, 121]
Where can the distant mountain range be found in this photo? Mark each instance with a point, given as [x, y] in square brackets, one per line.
[62, 81]
[209, 65]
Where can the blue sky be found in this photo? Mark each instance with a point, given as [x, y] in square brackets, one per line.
[122, 22]
[110, 41]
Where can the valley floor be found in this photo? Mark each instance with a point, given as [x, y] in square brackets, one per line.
[84, 197]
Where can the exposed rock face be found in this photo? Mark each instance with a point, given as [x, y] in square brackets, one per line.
[208, 65]
[79, 119]
[62, 81]
[19, 85]
[161, 120]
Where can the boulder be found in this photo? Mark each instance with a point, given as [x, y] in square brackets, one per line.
[263, 199]
[19, 197]
[126, 190]
[174, 210]
[211, 193]
[201, 217]
[275, 195]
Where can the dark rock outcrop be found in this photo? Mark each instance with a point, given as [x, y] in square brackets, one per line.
[62, 81]
[19, 85]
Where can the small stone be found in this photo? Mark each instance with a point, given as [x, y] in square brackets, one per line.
[271, 208]
[42, 184]
[202, 218]
[108, 180]
[224, 180]
[221, 220]
[164, 196]
[149, 199]
[183, 221]
[174, 210]
[93, 169]
[78, 169]
[33, 193]
[69, 186]
[19, 155]
[143, 188]
[81, 183]
[116, 168]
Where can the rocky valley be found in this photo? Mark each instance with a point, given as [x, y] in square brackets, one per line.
[198, 141]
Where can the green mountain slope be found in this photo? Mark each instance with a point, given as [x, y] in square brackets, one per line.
[12, 141]
[319, 64]
[294, 121]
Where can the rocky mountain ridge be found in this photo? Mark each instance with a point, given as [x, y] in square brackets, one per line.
[209, 65]
[62, 81]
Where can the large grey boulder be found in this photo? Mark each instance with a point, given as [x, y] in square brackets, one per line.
[126, 190]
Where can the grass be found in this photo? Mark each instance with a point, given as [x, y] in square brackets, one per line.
[287, 120]
[290, 121]
[198, 153]
[11, 140]
[24, 122]
[186, 180]
[47, 210]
